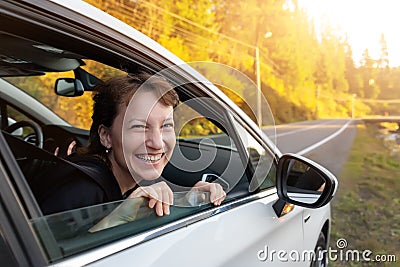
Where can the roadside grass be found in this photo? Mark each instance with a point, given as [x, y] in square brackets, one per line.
[365, 210]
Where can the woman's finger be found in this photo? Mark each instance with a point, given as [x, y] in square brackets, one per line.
[217, 194]
[166, 201]
[152, 202]
[223, 195]
[213, 192]
[147, 192]
[159, 208]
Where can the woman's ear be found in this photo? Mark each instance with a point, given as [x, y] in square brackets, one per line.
[105, 136]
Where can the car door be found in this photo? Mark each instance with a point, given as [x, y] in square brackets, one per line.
[244, 231]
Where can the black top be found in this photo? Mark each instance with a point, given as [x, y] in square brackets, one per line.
[85, 182]
[59, 184]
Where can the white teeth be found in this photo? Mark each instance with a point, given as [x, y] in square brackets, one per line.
[150, 158]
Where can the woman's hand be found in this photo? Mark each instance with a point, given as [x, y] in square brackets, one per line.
[217, 194]
[160, 197]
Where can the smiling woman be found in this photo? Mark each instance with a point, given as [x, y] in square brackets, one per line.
[131, 139]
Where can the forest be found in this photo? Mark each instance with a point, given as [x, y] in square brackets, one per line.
[304, 74]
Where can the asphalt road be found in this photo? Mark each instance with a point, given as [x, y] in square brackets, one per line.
[327, 142]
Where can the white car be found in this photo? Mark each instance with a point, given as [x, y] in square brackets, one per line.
[271, 214]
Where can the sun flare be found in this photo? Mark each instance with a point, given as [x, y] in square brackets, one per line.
[364, 21]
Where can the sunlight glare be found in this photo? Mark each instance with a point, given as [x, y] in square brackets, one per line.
[363, 21]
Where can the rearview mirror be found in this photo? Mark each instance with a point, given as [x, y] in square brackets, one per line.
[302, 182]
[69, 87]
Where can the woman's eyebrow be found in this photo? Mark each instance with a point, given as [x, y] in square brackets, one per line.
[145, 121]
[137, 120]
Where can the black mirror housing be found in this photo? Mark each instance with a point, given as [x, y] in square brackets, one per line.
[301, 181]
[69, 87]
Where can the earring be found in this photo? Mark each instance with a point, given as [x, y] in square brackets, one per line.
[108, 149]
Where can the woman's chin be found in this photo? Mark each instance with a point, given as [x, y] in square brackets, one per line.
[147, 175]
[147, 171]
[151, 177]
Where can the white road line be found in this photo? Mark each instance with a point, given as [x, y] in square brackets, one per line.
[323, 141]
[303, 129]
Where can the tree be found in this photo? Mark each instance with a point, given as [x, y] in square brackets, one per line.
[383, 61]
[383, 72]
[368, 74]
[351, 73]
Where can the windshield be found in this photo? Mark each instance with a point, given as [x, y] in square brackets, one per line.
[75, 110]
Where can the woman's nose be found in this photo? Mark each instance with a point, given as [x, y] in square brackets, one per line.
[154, 139]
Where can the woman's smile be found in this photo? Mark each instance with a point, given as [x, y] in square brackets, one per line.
[150, 158]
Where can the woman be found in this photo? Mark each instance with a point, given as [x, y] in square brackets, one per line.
[131, 139]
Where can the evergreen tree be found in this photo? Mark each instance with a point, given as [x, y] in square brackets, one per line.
[351, 73]
[384, 72]
[368, 74]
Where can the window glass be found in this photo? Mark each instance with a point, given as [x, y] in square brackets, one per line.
[82, 229]
[260, 160]
[192, 126]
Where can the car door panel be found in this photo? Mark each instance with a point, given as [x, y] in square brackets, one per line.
[314, 221]
[231, 238]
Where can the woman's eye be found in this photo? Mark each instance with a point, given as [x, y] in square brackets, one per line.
[168, 125]
[138, 126]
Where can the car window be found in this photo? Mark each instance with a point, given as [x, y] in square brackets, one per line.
[68, 233]
[75, 110]
[205, 148]
[208, 152]
[192, 126]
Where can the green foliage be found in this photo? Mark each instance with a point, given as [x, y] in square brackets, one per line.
[198, 127]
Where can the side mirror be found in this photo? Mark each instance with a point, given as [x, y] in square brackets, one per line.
[69, 87]
[302, 182]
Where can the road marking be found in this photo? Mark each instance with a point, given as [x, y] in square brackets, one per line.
[303, 129]
[323, 141]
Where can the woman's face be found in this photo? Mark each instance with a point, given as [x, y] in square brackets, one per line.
[142, 137]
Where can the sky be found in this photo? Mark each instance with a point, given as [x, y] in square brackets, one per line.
[363, 21]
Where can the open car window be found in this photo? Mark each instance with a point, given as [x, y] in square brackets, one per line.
[207, 152]
[207, 149]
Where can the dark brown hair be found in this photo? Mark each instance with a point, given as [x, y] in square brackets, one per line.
[119, 91]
